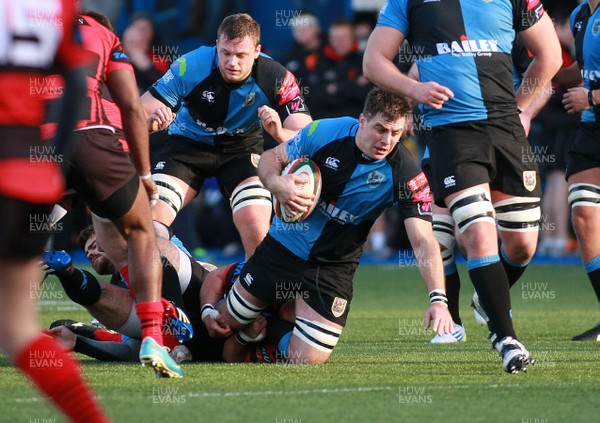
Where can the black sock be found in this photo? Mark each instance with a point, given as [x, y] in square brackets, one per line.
[595, 280]
[491, 284]
[452, 291]
[81, 287]
[513, 273]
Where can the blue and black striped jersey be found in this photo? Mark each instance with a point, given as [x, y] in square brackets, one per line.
[355, 191]
[221, 114]
[466, 46]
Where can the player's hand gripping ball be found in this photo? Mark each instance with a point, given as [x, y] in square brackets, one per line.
[312, 172]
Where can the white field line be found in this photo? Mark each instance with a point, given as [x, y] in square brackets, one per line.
[325, 391]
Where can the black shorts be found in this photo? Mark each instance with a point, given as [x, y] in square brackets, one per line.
[585, 152]
[102, 172]
[193, 162]
[25, 228]
[493, 151]
[278, 275]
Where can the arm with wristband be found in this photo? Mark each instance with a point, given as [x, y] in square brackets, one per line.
[213, 290]
[430, 266]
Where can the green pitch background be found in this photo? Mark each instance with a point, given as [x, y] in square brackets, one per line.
[382, 370]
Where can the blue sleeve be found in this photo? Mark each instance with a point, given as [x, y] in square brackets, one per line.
[313, 137]
[304, 143]
[395, 15]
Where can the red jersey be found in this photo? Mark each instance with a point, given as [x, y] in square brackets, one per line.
[36, 36]
[36, 39]
[108, 56]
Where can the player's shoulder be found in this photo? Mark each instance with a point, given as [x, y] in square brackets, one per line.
[202, 54]
[267, 67]
[195, 65]
[401, 159]
[577, 15]
[331, 129]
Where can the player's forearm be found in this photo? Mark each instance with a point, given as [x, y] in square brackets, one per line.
[285, 134]
[539, 74]
[539, 102]
[427, 252]
[431, 268]
[270, 166]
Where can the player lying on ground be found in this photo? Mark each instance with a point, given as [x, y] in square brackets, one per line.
[113, 306]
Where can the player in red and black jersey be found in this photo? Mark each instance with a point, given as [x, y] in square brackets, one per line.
[37, 38]
[103, 173]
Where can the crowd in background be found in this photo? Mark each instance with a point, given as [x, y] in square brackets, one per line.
[322, 43]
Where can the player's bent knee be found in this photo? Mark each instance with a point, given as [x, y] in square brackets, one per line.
[240, 309]
[518, 214]
[319, 340]
[170, 192]
[251, 193]
[470, 207]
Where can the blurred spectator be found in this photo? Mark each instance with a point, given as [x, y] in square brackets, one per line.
[303, 58]
[551, 136]
[364, 23]
[111, 9]
[149, 58]
[337, 86]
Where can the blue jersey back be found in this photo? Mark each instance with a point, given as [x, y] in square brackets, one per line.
[466, 46]
[355, 191]
[215, 112]
[586, 30]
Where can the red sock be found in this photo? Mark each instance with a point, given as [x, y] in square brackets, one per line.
[107, 335]
[151, 317]
[57, 375]
[125, 273]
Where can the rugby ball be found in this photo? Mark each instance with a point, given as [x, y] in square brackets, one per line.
[307, 167]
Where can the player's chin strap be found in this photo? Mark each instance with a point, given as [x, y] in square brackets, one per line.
[250, 194]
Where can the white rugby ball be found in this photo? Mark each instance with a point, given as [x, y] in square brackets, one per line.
[307, 167]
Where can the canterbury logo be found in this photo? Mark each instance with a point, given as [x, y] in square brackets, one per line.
[332, 163]
[449, 181]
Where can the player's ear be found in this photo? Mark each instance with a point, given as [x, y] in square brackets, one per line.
[362, 120]
[257, 51]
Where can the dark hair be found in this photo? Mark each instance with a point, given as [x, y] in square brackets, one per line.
[98, 17]
[239, 26]
[84, 235]
[391, 106]
[341, 22]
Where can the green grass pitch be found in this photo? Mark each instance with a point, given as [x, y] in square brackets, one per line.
[382, 370]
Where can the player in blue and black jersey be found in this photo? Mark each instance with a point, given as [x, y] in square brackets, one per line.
[222, 95]
[476, 138]
[583, 162]
[364, 171]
